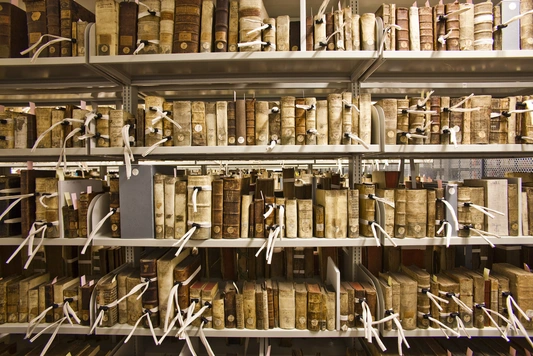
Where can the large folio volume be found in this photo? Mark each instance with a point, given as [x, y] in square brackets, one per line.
[199, 209]
[187, 26]
[251, 15]
[14, 36]
[106, 27]
[127, 29]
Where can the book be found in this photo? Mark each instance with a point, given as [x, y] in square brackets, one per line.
[335, 204]
[127, 27]
[187, 27]
[251, 13]
[222, 123]
[261, 321]
[10, 225]
[14, 37]
[59, 287]
[106, 16]
[288, 121]
[526, 25]
[199, 210]
[230, 307]
[250, 315]
[198, 123]
[365, 117]
[466, 27]
[283, 36]
[166, 26]
[440, 282]
[221, 27]
[261, 123]
[71, 12]
[495, 197]
[294, 33]
[466, 291]
[218, 310]
[24, 130]
[182, 272]
[206, 25]
[159, 205]
[240, 122]
[25, 286]
[209, 292]
[439, 27]
[231, 123]
[250, 121]
[287, 305]
[402, 34]
[422, 279]
[425, 17]
[416, 213]
[217, 209]
[36, 22]
[408, 300]
[452, 25]
[122, 290]
[483, 26]
[233, 26]
[414, 29]
[84, 304]
[232, 190]
[335, 108]
[150, 298]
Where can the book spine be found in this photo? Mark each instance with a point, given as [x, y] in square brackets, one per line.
[416, 213]
[240, 122]
[232, 124]
[187, 27]
[274, 122]
[211, 123]
[310, 121]
[159, 206]
[58, 23]
[439, 27]
[348, 31]
[231, 207]
[365, 117]
[402, 35]
[282, 33]
[36, 20]
[180, 209]
[483, 24]
[218, 208]
[206, 26]
[198, 123]
[169, 193]
[250, 122]
[250, 16]
[414, 29]
[7, 131]
[338, 26]
[269, 35]
[356, 32]
[299, 121]
[526, 25]
[233, 27]
[425, 16]
[127, 27]
[221, 25]
[288, 120]
[148, 27]
[202, 214]
[305, 218]
[334, 119]
[222, 122]
[150, 297]
[166, 26]
[466, 28]
[182, 113]
[259, 224]
[261, 123]
[452, 25]
[368, 32]
[106, 13]
[480, 119]
[322, 122]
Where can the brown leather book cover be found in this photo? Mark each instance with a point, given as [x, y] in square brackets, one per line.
[402, 35]
[261, 321]
[5, 284]
[36, 20]
[240, 122]
[371, 297]
[442, 283]
[452, 24]
[274, 122]
[221, 25]
[232, 190]
[318, 217]
[232, 124]
[59, 287]
[182, 272]
[43, 117]
[166, 26]
[499, 124]
[114, 203]
[209, 292]
[230, 307]
[466, 291]
[14, 36]
[122, 290]
[294, 32]
[71, 11]
[483, 26]
[314, 306]
[478, 295]
[300, 306]
[217, 209]
[435, 105]
[354, 307]
[46, 186]
[439, 27]
[195, 295]
[148, 264]
[330, 26]
[250, 121]
[367, 208]
[83, 205]
[425, 18]
[187, 27]
[431, 212]
[233, 26]
[250, 315]
[127, 27]
[84, 304]
[133, 303]
[259, 220]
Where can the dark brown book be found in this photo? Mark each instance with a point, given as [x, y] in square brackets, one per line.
[300, 130]
[28, 206]
[434, 103]
[36, 19]
[71, 12]
[85, 303]
[221, 25]
[452, 25]
[330, 46]
[240, 122]
[259, 221]
[250, 122]
[439, 27]
[83, 205]
[217, 220]
[232, 124]
[232, 207]
[114, 203]
[182, 272]
[150, 299]
[294, 35]
[106, 293]
[14, 34]
[127, 27]
[402, 35]
[187, 26]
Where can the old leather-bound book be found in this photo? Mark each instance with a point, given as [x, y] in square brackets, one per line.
[232, 190]
[71, 12]
[218, 310]
[239, 309]
[222, 123]
[300, 126]
[240, 122]
[331, 312]
[230, 311]
[232, 124]
[367, 208]
[151, 103]
[452, 25]
[434, 132]
[338, 26]
[408, 300]
[198, 123]
[414, 29]
[180, 208]
[206, 26]
[250, 121]
[58, 132]
[402, 35]
[353, 212]
[28, 206]
[335, 212]
[274, 122]
[495, 197]
[50, 213]
[483, 26]
[250, 316]
[221, 25]
[309, 34]
[431, 212]
[166, 265]
[122, 290]
[24, 287]
[386, 289]
[402, 121]
[442, 283]
[384, 12]
[199, 211]
[417, 121]
[478, 296]
[187, 27]
[183, 271]
[335, 106]
[526, 25]
[287, 305]
[499, 123]
[259, 307]
[466, 294]
[288, 123]
[354, 307]
[259, 221]
[251, 14]
[33, 303]
[36, 21]
[371, 298]
[166, 26]
[261, 123]
[388, 219]
[159, 205]
[344, 307]
[133, 303]
[117, 120]
[330, 25]
[305, 218]
[43, 118]
[5, 284]
[183, 116]
[466, 215]
[288, 183]
[106, 14]
[217, 209]
[233, 27]
[466, 27]
[423, 302]
[114, 203]
[390, 109]
[24, 130]
[14, 37]
[211, 123]
[513, 210]
[12, 300]
[300, 310]
[480, 119]
[102, 126]
[310, 121]
[282, 33]
[150, 298]
[416, 213]
[209, 292]
[319, 32]
[195, 295]
[395, 290]
[347, 118]
[318, 219]
[127, 27]
[59, 287]
[322, 136]
[425, 17]
[439, 27]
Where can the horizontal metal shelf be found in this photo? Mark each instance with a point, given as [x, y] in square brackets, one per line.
[66, 328]
[432, 332]
[461, 151]
[123, 329]
[473, 240]
[17, 240]
[42, 154]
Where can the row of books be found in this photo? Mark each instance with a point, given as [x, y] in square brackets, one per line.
[64, 345]
[476, 119]
[457, 26]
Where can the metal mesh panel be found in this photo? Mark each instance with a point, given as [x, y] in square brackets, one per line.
[497, 167]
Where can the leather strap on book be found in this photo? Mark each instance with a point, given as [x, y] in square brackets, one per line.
[204, 339]
[97, 228]
[356, 139]
[17, 198]
[452, 132]
[155, 145]
[56, 39]
[515, 322]
[483, 234]
[128, 153]
[512, 19]
[63, 122]
[195, 190]
[442, 326]
[68, 312]
[57, 325]
[395, 317]
[432, 297]
[148, 12]
[488, 313]
[146, 314]
[484, 209]
[142, 43]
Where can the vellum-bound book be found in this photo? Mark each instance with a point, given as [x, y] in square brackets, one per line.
[467, 215]
[251, 15]
[288, 135]
[148, 26]
[335, 119]
[310, 121]
[151, 137]
[106, 13]
[206, 26]
[198, 123]
[282, 33]
[495, 193]
[408, 300]
[526, 25]
[416, 213]
[367, 208]
[386, 289]
[466, 28]
[166, 26]
[261, 123]
[353, 212]
[466, 294]
[442, 283]
[390, 109]
[422, 279]
[201, 214]
[305, 218]
[480, 119]
[347, 121]
[269, 35]
[210, 124]
[414, 29]
[368, 32]
[335, 212]
[478, 295]
[365, 117]
[439, 27]
[182, 115]
[322, 122]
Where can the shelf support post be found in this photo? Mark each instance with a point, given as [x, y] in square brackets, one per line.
[355, 170]
[129, 99]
